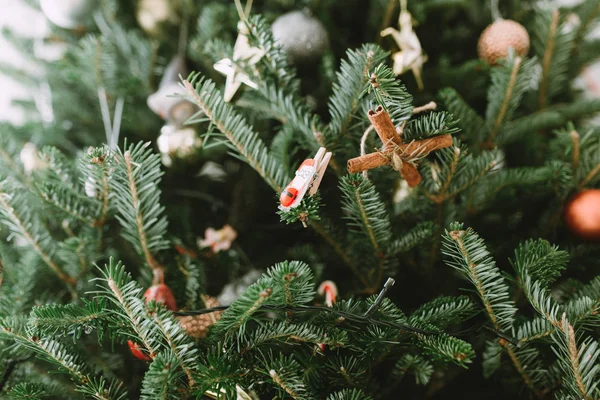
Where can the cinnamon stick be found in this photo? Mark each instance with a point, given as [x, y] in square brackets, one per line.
[411, 174]
[417, 147]
[384, 126]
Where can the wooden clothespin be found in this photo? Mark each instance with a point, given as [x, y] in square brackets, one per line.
[401, 156]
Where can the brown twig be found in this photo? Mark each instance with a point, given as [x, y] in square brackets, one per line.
[548, 58]
[504, 108]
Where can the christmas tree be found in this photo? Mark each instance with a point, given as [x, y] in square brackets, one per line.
[339, 200]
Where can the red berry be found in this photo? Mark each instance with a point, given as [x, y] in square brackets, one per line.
[161, 293]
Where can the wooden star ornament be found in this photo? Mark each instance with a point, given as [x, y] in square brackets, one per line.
[411, 55]
[243, 53]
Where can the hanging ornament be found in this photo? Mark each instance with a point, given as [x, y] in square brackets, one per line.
[411, 55]
[327, 289]
[177, 143]
[160, 293]
[165, 102]
[197, 326]
[154, 15]
[308, 178]
[243, 54]
[68, 14]
[302, 36]
[218, 240]
[31, 159]
[496, 40]
[582, 214]
[235, 289]
[401, 192]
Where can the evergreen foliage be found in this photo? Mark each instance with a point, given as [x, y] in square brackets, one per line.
[425, 307]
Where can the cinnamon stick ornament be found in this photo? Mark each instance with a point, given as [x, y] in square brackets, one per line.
[401, 156]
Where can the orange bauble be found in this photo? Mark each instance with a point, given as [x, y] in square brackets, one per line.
[582, 214]
[498, 37]
[161, 293]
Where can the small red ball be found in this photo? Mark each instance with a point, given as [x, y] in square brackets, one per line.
[161, 293]
[582, 214]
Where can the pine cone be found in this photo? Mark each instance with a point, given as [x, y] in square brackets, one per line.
[498, 37]
[197, 326]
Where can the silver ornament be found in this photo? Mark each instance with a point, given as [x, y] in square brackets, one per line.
[164, 102]
[178, 143]
[68, 14]
[303, 37]
[235, 289]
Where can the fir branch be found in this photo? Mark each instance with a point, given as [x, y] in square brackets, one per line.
[285, 373]
[446, 348]
[455, 171]
[509, 83]
[444, 310]
[282, 332]
[71, 203]
[413, 238]
[280, 87]
[468, 120]
[242, 138]
[524, 361]
[56, 353]
[339, 250]
[547, 58]
[75, 320]
[367, 216]
[591, 290]
[137, 197]
[469, 255]
[536, 329]
[390, 93]
[420, 367]
[579, 364]
[429, 125]
[540, 299]
[125, 294]
[158, 380]
[349, 394]
[351, 78]
[23, 225]
[94, 165]
[542, 261]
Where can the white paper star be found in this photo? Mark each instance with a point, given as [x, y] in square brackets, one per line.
[242, 52]
[410, 56]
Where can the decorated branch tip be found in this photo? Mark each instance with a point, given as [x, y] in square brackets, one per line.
[308, 178]
[403, 157]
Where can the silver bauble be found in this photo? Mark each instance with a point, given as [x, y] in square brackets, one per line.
[175, 110]
[303, 37]
[174, 142]
[235, 289]
[152, 15]
[68, 14]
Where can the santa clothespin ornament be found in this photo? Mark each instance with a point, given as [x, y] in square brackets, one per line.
[401, 156]
[308, 178]
[330, 291]
[411, 55]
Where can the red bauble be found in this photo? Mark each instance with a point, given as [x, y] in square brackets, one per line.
[137, 351]
[582, 214]
[161, 293]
